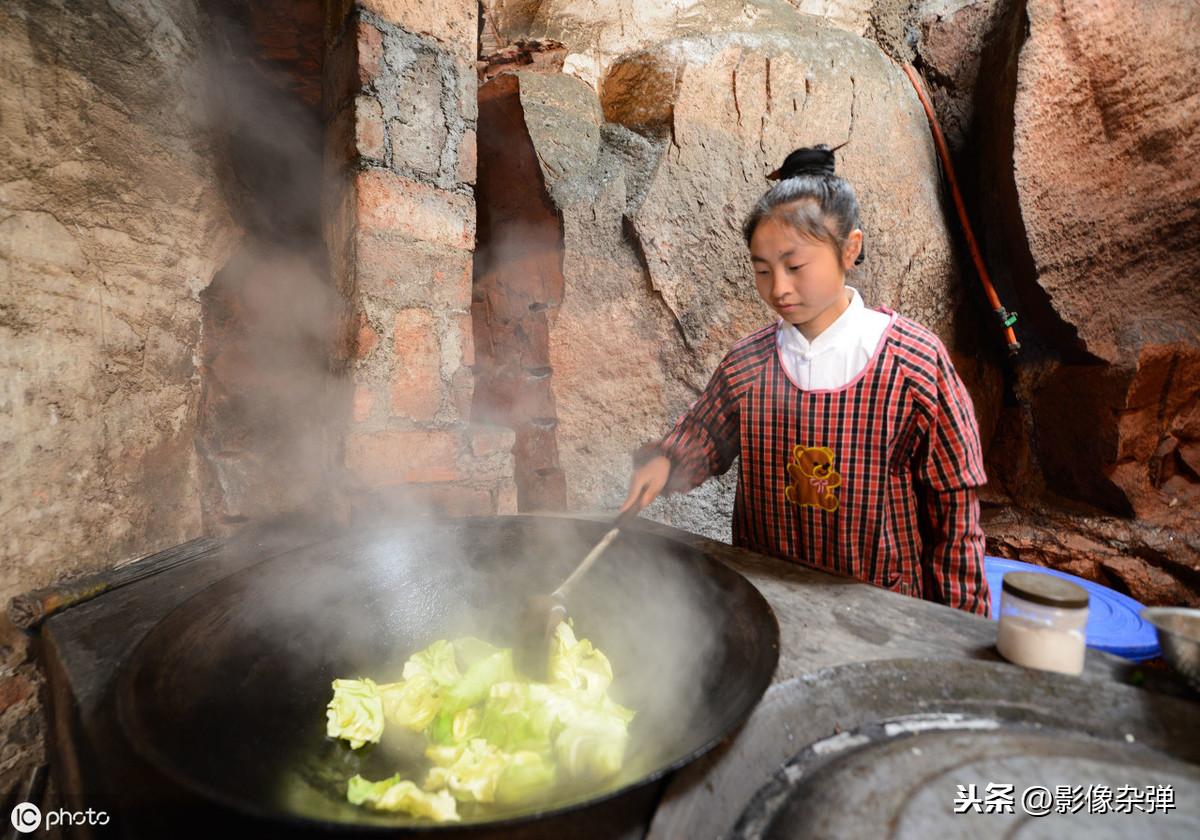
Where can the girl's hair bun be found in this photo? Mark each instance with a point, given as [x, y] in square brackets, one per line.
[811, 197]
[809, 160]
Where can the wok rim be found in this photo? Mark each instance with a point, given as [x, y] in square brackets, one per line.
[132, 667]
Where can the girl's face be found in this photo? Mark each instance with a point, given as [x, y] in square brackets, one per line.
[798, 277]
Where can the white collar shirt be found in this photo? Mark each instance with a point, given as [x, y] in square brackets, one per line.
[839, 354]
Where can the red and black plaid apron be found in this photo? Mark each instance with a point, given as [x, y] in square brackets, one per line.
[876, 480]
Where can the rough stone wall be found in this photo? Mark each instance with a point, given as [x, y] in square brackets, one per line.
[400, 101]
[1089, 234]
[111, 223]
[1112, 208]
[652, 170]
[598, 32]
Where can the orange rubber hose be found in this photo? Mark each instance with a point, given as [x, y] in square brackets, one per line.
[943, 151]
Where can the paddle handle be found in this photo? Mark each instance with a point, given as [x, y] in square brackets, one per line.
[626, 516]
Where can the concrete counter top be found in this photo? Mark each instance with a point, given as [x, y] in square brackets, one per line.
[827, 619]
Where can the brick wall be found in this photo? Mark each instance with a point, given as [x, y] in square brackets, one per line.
[518, 290]
[400, 105]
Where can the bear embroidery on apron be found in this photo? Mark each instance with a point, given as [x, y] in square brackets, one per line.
[813, 478]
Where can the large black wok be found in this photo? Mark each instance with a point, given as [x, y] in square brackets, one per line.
[227, 694]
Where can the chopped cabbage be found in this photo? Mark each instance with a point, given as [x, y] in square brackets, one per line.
[455, 728]
[355, 712]
[516, 716]
[395, 794]
[469, 771]
[478, 680]
[437, 662]
[531, 716]
[592, 746]
[576, 664]
[493, 738]
[527, 777]
[411, 703]
[470, 650]
[481, 772]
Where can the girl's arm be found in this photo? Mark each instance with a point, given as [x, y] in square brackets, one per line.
[704, 441]
[949, 469]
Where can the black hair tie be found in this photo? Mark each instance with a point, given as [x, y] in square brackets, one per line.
[810, 160]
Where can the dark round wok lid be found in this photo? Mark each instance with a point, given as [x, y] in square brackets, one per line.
[226, 695]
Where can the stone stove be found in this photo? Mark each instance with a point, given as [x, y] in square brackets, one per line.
[856, 664]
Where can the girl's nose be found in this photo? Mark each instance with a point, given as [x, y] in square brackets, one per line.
[779, 284]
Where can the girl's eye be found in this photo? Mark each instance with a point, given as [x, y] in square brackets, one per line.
[796, 267]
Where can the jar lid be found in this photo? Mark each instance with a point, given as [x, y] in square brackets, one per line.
[1047, 590]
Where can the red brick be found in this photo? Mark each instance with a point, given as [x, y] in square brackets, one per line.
[335, 12]
[389, 203]
[340, 73]
[534, 399]
[413, 327]
[355, 61]
[454, 23]
[407, 272]
[462, 391]
[370, 52]
[488, 440]
[452, 283]
[535, 350]
[457, 500]
[419, 139]
[417, 387]
[339, 228]
[536, 447]
[466, 337]
[382, 459]
[466, 157]
[506, 498]
[364, 400]
[542, 490]
[420, 500]
[366, 338]
[345, 334]
[340, 151]
[369, 134]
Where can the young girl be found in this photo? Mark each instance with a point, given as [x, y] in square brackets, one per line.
[859, 448]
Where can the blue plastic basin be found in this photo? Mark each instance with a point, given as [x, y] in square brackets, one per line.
[1114, 621]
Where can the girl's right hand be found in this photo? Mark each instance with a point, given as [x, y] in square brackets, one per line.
[647, 482]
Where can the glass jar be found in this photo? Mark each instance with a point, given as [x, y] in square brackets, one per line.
[1043, 621]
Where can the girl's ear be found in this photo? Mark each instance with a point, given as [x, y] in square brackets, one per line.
[851, 250]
